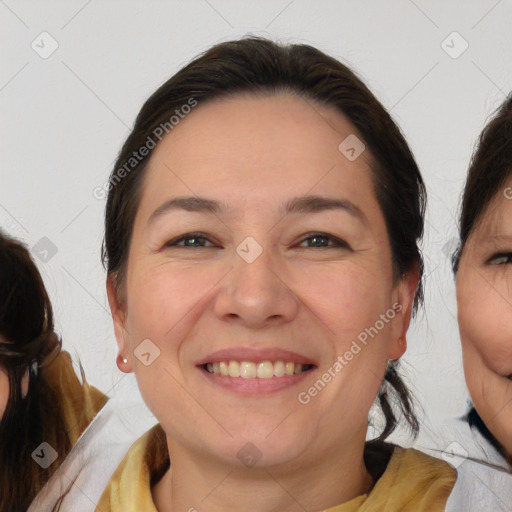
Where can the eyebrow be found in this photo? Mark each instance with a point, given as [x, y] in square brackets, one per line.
[302, 205]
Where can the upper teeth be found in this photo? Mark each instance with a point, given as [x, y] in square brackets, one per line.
[250, 370]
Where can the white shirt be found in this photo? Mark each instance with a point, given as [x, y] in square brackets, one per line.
[479, 488]
[91, 461]
[484, 479]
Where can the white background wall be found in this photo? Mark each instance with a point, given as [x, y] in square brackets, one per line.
[65, 117]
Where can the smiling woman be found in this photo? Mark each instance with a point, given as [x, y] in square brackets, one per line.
[482, 266]
[276, 224]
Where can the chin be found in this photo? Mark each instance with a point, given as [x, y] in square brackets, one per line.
[261, 450]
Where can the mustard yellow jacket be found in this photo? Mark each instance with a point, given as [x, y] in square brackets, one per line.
[412, 481]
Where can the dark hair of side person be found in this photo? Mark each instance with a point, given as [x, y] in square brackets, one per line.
[27, 341]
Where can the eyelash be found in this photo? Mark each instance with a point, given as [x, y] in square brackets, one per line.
[506, 255]
[338, 243]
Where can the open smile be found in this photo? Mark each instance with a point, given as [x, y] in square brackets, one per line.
[247, 370]
[261, 370]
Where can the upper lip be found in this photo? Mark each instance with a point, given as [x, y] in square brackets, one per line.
[254, 355]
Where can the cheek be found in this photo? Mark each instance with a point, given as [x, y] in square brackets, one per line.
[158, 299]
[165, 304]
[351, 299]
[485, 321]
[350, 302]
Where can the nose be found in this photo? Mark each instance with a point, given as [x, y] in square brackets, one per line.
[256, 293]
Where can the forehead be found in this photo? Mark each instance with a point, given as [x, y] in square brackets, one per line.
[258, 146]
[497, 215]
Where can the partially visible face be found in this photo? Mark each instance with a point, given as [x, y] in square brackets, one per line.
[4, 389]
[305, 298]
[484, 298]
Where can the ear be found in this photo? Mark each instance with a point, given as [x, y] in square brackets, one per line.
[403, 299]
[118, 310]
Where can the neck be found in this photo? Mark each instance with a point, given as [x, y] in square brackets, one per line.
[194, 483]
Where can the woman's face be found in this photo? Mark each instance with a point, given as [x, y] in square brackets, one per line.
[484, 297]
[256, 285]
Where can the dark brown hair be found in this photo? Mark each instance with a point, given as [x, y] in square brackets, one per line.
[29, 342]
[489, 169]
[257, 65]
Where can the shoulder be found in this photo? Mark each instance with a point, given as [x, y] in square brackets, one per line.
[413, 480]
[415, 465]
[385, 458]
[79, 402]
[129, 488]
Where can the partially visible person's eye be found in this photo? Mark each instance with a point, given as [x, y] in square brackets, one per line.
[318, 237]
[500, 259]
[196, 237]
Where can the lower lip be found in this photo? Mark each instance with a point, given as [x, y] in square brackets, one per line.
[255, 386]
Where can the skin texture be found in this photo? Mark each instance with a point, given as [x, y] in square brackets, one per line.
[4, 389]
[254, 154]
[484, 298]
